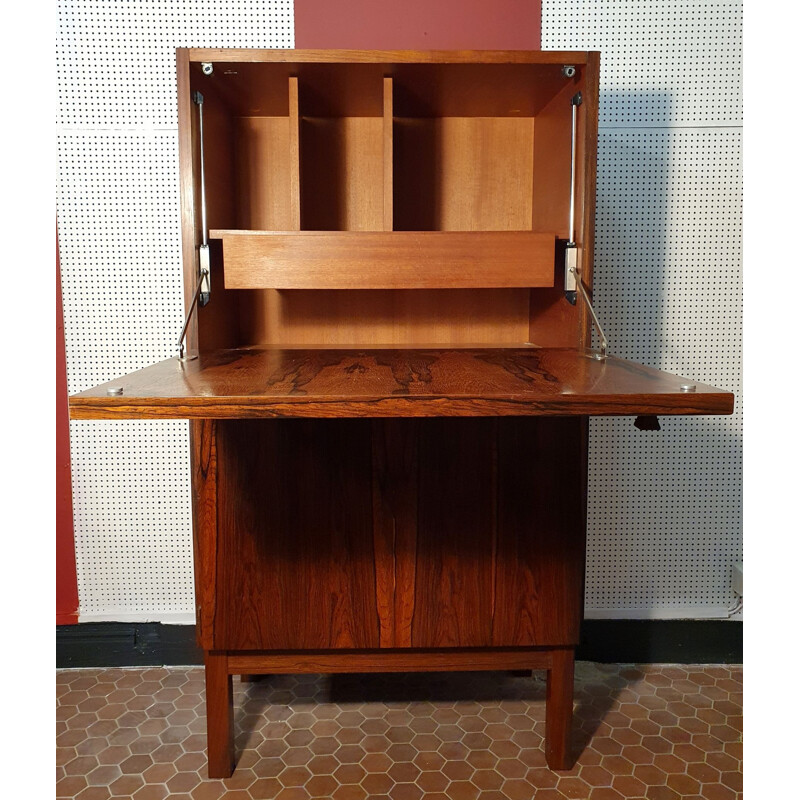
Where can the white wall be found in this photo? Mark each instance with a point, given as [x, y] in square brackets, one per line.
[665, 509]
[118, 224]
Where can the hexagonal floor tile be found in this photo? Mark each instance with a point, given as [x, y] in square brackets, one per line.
[640, 731]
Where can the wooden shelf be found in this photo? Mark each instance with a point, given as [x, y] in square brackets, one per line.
[387, 259]
[386, 382]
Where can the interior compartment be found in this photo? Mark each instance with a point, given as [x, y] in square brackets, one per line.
[341, 186]
[360, 147]
[463, 173]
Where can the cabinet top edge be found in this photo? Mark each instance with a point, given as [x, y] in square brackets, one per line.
[301, 56]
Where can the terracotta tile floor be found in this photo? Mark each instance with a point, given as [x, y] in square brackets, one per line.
[656, 732]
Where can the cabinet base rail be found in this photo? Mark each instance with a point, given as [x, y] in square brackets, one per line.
[221, 665]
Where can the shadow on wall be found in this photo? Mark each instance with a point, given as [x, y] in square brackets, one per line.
[664, 520]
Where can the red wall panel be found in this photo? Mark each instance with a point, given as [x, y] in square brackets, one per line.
[66, 578]
[418, 24]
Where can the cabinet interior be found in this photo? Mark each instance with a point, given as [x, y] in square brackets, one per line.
[359, 147]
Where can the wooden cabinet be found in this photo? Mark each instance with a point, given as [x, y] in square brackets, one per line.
[388, 373]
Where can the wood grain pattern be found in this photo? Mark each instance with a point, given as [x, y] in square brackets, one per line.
[330, 534]
[465, 174]
[219, 715]
[295, 556]
[265, 173]
[454, 581]
[294, 155]
[204, 512]
[341, 182]
[450, 660]
[187, 190]
[558, 711]
[541, 525]
[385, 260]
[299, 56]
[395, 480]
[353, 89]
[400, 317]
[276, 382]
[388, 154]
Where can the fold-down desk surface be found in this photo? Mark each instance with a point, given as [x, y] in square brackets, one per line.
[390, 382]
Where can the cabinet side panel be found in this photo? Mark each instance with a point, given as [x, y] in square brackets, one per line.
[541, 524]
[455, 535]
[587, 186]
[186, 159]
[204, 490]
[217, 322]
[296, 554]
[554, 322]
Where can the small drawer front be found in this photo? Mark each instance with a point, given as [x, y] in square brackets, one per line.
[387, 259]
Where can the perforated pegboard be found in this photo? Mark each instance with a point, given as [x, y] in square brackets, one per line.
[118, 223]
[118, 215]
[671, 62]
[115, 61]
[131, 484]
[665, 516]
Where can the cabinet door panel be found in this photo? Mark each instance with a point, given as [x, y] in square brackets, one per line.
[425, 533]
[295, 548]
[540, 531]
[455, 533]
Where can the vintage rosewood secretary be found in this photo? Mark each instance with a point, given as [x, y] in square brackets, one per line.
[388, 368]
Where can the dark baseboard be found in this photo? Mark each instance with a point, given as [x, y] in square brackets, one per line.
[661, 641]
[129, 644]
[126, 644]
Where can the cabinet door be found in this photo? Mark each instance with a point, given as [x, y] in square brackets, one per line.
[541, 531]
[486, 520]
[295, 561]
[403, 533]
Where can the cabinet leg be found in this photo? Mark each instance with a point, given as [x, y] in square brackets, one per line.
[219, 715]
[558, 714]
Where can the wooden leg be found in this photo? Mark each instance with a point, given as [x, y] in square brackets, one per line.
[219, 715]
[558, 715]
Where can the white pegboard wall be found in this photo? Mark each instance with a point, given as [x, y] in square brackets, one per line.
[671, 62]
[117, 206]
[668, 249]
[118, 214]
[132, 520]
[665, 508]
[115, 61]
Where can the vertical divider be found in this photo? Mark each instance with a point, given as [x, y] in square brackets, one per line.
[294, 152]
[388, 154]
